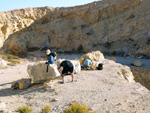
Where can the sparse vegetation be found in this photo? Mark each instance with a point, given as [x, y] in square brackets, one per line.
[78, 108]
[24, 109]
[80, 49]
[10, 56]
[46, 109]
[114, 53]
[107, 44]
[13, 61]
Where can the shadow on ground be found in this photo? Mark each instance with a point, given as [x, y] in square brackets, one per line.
[8, 92]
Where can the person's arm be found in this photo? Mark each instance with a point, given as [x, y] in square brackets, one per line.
[90, 64]
[59, 68]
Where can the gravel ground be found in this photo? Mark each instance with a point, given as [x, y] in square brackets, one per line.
[102, 90]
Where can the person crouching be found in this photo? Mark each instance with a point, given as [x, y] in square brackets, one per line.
[67, 68]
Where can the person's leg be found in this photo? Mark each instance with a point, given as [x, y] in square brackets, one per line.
[72, 76]
[63, 77]
[47, 68]
[62, 82]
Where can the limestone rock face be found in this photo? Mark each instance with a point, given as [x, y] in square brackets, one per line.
[38, 74]
[111, 26]
[142, 75]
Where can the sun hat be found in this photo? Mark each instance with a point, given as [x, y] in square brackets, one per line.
[48, 51]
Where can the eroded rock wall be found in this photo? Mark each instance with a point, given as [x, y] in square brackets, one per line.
[142, 75]
[112, 26]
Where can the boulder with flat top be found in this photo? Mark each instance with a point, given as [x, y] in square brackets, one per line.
[38, 72]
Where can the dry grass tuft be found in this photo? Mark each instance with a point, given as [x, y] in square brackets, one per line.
[13, 61]
[78, 108]
[24, 109]
[46, 109]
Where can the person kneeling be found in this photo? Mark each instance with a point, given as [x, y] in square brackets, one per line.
[87, 64]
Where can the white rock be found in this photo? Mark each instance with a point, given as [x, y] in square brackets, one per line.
[77, 66]
[137, 63]
[49, 86]
[34, 59]
[125, 72]
[38, 74]
[3, 63]
[2, 107]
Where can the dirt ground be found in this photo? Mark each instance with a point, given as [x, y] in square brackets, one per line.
[102, 90]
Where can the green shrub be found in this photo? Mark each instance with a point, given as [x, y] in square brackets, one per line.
[78, 108]
[107, 44]
[46, 109]
[13, 61]
[24, 109]
[10, 56]
[80, 49]
[114, 53]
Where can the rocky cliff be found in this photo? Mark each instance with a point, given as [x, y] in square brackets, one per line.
[120, 27]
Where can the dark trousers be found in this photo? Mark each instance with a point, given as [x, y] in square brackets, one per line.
[47, 67]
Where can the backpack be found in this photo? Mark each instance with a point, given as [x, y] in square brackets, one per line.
[55, 54]
[100, 66]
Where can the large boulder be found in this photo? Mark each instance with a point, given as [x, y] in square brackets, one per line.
[76, 64]
[121, 71]
[21, 84]
[38, 74]
[96, 57]
[24, 83]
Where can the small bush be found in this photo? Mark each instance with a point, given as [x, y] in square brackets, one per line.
[13, 61]
[10, 56]
[107, 44]
[24, 109]
[78, 108]
[80, 49]
[114, 53]
[46, 109]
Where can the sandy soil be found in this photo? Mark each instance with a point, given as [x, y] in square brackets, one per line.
[101, 90]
